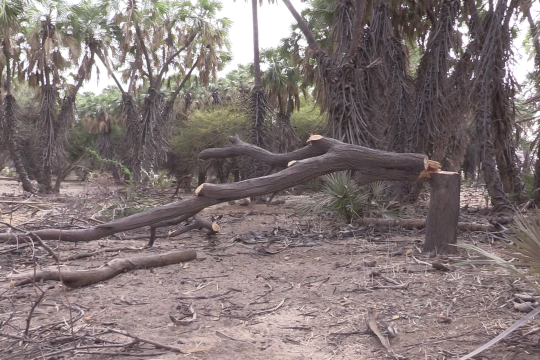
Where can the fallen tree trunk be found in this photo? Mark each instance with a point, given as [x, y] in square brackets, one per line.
[421, 224]
[329, 156]
[76, 279]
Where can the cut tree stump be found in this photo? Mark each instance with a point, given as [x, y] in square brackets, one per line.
[443, 213]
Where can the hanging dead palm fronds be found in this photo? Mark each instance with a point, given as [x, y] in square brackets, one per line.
[400, 99]
[129, 117]
[153, 141]
[432, 123]
[346, 79]
[486, 82]
[49, 128]
[8, 125]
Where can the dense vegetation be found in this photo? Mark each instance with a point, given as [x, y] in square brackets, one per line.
[427, 77]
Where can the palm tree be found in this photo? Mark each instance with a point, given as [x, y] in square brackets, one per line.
[47, 23]
[87, 27]
[10, 15]
[167, 42]
[281, 81]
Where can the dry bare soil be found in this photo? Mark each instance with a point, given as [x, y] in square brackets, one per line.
[272, 285]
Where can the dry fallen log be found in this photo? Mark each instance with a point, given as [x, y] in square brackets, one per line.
[329, 156]
[76, 279]
[421, 224]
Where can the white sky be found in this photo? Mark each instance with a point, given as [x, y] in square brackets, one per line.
[275, 22]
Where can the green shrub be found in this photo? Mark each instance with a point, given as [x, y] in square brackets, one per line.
[206, 129]
[341, 197]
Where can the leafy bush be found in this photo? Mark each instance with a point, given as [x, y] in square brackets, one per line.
[343, 198]
[205, 129]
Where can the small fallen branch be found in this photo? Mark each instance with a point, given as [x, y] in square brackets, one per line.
[504, 334]
[76, 279]
[374, 328]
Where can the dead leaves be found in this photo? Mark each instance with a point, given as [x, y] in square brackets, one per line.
[187, 314]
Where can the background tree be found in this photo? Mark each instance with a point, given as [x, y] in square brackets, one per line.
[10, 16]
[281, 81]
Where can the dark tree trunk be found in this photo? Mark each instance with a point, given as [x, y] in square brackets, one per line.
[286, 138]
[9, 114]
[536, 42]
[489, 169]
[443, 214]
[11, 131]
[49, 128]
[133, 130]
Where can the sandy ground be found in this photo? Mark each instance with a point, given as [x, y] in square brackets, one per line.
[271, 285]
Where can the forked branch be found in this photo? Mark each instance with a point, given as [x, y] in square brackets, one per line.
[321, 156]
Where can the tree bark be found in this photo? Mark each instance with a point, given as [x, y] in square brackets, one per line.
[443, 214]
[13, 143]
[358, 27]
[371, 165]
[12, 133]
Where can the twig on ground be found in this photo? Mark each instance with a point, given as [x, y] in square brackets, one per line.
[45, 246]
[151, 342]
[29, 317]
[268, 310]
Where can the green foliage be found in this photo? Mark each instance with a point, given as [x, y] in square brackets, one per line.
[528, 180]
[205, 129]
[79, 140]
[113, 162]
[308, 120]
[343, 198]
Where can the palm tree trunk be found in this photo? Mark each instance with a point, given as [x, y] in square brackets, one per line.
[9, 118]
[494, 185]
[536, 43]
[167, 109]
[9, 113]
[133, 129]
[49, 128]
[256, 58]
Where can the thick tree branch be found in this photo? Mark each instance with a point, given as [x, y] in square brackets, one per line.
[165, 66]
[303, 26]
[358, 26]
[145, 53]
[105, 62]
[238, 148]
[372, 165]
